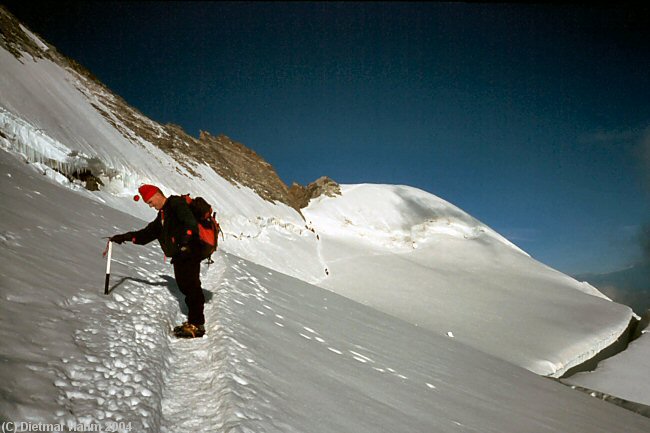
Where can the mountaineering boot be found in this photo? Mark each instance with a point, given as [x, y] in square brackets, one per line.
[178, 328]
[188, 330]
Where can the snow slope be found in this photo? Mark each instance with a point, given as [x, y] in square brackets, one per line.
[419, 258]
[48, 112]
[397, 249]
[280, 355]
[624, 375]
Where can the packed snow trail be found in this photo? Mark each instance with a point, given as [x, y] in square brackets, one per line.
[207, 385]
[194, 397]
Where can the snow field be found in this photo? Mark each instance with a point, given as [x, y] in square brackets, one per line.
[319, 362]
[395, 217]
[103, 358]
[624, 375]
[280, 355]
[454, 274]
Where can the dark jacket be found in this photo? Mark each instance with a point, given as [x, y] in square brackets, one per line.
[174, 227]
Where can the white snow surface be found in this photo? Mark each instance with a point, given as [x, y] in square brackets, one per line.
[280, 355]
[419, 258]
[398, 249]
[428, 270]
[624, 375]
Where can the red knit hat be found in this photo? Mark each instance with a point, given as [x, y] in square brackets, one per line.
[147, 191]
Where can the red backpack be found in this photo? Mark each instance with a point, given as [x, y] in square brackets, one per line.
[208, 226]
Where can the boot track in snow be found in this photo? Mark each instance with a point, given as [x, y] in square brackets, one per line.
[193, 383]
[134, 375]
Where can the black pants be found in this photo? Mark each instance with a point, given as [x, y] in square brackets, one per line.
[187, 273]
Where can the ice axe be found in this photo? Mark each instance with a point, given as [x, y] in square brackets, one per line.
[107, 253]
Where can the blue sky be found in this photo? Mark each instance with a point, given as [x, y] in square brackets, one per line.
[534, 119]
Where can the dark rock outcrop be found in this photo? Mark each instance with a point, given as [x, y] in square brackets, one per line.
[301, 195]
[237, 163]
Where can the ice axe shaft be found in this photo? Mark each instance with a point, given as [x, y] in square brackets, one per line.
[108, 253]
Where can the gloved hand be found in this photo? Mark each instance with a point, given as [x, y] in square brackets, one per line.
[119, 239]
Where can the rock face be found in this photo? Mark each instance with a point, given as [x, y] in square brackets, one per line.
[231, 160]
[239, 164]
[301, 195]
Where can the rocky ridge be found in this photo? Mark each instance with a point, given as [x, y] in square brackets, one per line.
[230, 159]
[321, 186]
